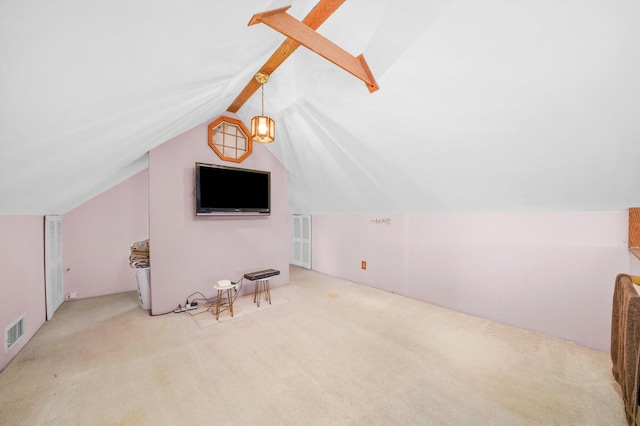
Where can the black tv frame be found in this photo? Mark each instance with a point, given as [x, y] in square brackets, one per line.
[247, 191]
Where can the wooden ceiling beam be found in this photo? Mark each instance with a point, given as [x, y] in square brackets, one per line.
[313, 20]
[286, 24]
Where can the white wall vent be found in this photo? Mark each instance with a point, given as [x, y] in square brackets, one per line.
[15, 331]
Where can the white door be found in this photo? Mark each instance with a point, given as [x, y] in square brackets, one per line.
[302, 240]
[54, 290]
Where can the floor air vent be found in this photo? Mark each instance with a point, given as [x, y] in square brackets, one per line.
[15, 331]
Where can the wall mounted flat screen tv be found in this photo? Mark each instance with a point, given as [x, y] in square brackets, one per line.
[231, 191]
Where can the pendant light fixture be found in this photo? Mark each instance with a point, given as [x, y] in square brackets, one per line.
[263, 128]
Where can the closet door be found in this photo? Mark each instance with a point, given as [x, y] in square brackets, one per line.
[54, 290]
[302, 241]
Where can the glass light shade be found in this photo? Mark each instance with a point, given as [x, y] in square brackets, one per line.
[263, 129]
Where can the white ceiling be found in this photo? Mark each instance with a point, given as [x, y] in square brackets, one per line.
[483, 105]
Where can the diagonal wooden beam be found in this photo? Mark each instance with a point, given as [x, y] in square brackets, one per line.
[281, 21]
[314, 19]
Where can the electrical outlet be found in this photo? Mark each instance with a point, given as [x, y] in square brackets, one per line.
[185, 308]
[364, 264]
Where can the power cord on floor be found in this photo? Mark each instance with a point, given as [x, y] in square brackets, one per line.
[210, 300]
[203, 298]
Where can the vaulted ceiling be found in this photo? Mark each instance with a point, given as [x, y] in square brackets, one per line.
[482, 106]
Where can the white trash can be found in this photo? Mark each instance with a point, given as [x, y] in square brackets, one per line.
[142, 275]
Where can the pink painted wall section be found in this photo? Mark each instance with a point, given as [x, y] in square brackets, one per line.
[97, 237]
[635, 264]
[21, 277]
[548, 272]
[190, 253]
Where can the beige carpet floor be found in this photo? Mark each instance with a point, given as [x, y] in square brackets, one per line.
[326, 352]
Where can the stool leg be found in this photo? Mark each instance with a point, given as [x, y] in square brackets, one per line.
[268, 290]
[262, 291]
[218, 304]
[230, 299]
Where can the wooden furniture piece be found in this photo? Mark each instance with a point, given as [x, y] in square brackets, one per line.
[223, 286]
[634, 231]
[625, 343]
[261, 279]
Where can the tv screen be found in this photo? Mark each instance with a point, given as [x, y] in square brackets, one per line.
[224, 191]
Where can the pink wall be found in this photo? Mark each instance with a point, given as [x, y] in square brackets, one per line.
[548, 272]
[635, 265]
[21, 277]
[97, 237]
[190, 253]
